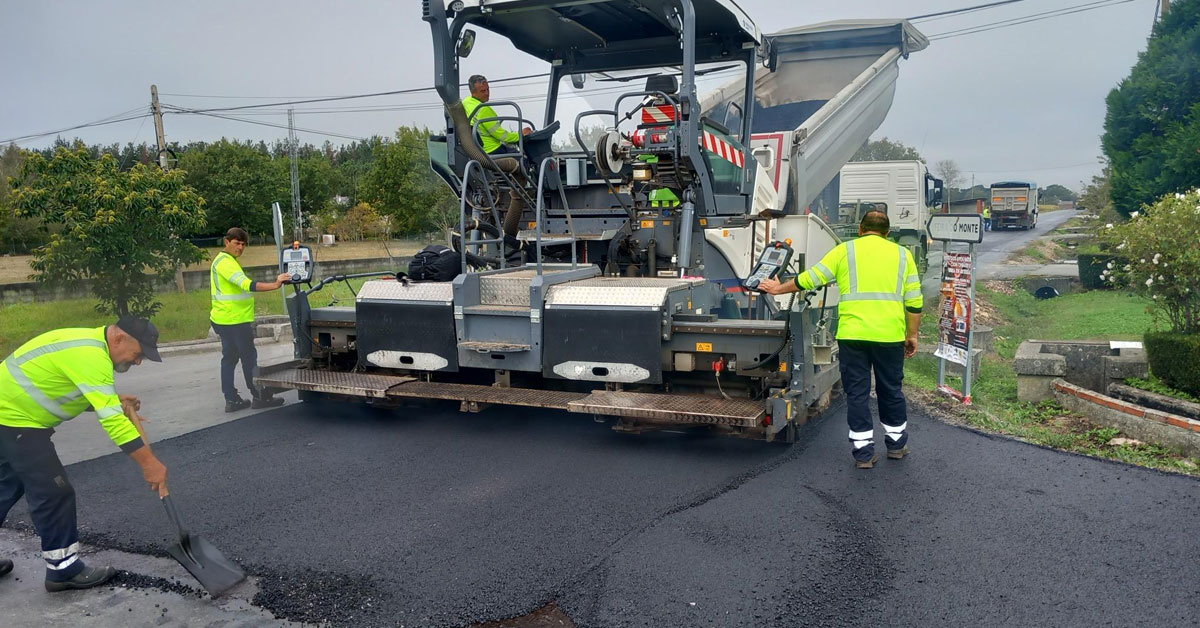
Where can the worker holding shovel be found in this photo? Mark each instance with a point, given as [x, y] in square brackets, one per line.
[50, 379]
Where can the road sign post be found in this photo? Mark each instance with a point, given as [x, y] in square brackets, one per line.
[957, 307]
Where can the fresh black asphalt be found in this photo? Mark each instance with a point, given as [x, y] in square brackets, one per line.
[429, 517]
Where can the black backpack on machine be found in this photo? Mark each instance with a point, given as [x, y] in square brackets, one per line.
[435, 263]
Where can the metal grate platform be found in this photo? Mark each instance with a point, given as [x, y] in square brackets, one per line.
[487, 394]
[666, 408]
[354, 384]
[673, 408]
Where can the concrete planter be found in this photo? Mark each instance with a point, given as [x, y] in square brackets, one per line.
[1091, 365]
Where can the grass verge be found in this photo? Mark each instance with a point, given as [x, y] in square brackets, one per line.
[182, 317]
[1017, 316]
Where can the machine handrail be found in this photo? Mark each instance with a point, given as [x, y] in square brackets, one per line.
[462, 217]
[547, 164]
[518, 118]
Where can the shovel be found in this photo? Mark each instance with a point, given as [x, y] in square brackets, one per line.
[206, 563]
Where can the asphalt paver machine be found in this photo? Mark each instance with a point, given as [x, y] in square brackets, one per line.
[604, 257]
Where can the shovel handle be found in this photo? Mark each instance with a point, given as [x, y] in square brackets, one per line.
[137, 419]
[173, 514]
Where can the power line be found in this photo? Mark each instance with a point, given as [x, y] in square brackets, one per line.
[100, 122]
[261, 123]
[978, 7]
[353, 96]
[1026, 19]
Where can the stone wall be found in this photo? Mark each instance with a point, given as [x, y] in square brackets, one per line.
[32, 291]
[1179, 434]
[1092, 365]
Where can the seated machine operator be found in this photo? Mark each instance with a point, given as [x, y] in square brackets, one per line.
[495, 139]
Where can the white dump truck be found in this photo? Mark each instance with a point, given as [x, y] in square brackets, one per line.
[904, 189]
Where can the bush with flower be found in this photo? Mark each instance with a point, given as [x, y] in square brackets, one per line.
[1160, 251]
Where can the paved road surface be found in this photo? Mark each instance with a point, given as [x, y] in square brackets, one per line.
[434, 518]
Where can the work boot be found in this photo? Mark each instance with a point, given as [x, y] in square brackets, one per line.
[87, 578]
[236, 404]
[6, 566]
[897, 454]
[866, 464]
[270, 401]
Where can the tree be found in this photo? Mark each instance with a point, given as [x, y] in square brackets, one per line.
[238, 183]
[17, 234]
[1095, 197]
[1052, 194]
[122, 230]
[1152, 126]
[401, 185]
[361, 221]
[950, 174]
[886, 150]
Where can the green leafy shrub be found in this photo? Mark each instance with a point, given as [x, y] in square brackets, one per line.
[1092, 267]
[1175, 359]
[1162, 258]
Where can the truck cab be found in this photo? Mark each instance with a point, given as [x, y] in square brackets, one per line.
[905, 190]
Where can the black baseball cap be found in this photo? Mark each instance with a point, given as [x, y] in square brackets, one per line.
[145, 333]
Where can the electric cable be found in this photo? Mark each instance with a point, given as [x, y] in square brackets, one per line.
[1027, 19]
[182, 110]
[100, 122]
[978, 7]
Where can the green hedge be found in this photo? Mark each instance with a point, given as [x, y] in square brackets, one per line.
[1175, 359]
[1090, 267]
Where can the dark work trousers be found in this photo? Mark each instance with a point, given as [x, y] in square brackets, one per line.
[237, 343]
[29, 467]
[857, 360]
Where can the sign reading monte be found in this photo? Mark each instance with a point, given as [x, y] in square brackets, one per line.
[956, 227]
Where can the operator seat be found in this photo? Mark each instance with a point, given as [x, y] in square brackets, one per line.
[510, 165]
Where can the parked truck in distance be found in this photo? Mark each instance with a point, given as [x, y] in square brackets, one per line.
[904, 189]
[1014, 205]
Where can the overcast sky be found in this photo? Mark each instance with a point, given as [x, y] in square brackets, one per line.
[1019, 102]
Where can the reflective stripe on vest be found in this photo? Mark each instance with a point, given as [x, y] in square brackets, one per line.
[53, 406]
[854, 295]
[231, 304]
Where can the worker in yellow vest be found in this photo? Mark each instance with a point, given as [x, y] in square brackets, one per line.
[879, 314]
[987, 218]
[51, 379]
[232, 318]
[492, 134]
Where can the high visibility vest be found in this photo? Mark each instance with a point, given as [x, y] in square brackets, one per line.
[987, 212]
[58, 375]
[877, 280]
[231, 291]
[491, 134]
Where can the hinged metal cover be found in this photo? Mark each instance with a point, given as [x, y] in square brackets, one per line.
[427, 291]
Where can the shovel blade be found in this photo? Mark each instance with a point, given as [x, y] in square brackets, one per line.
[207, 565]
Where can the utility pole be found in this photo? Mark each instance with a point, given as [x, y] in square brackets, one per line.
[293, 148]
[163, 162]
[1166, 4]
[158, 127]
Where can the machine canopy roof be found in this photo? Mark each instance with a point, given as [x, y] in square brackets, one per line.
[587, 36]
